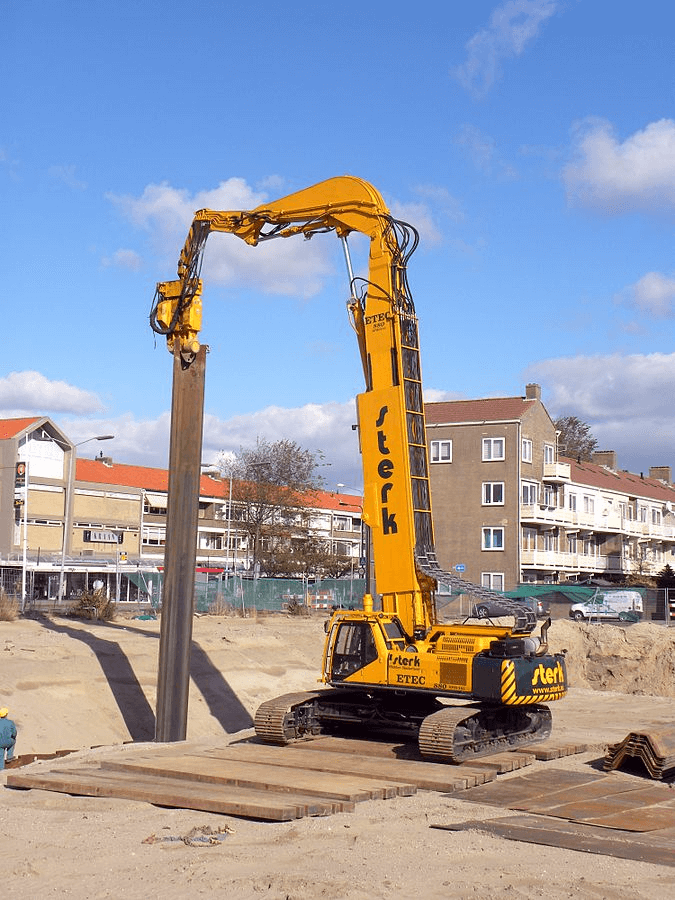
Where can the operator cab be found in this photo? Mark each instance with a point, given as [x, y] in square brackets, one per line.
[353, 648]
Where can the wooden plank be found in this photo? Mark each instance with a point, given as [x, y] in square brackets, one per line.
[500, 763]
[166, 792]
[549, 750]
[535, 785]
[362, 748]
[306, 804]
[258, 776]
[612, 792]
[646, 818]
[425, 776]
[584, 838]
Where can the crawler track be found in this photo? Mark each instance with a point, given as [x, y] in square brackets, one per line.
[458, 734]
[450, 734]
[288, 718]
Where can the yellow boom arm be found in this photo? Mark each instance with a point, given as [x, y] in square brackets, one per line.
[397, 503]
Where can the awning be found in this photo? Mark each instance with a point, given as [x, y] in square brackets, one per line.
[157, 500]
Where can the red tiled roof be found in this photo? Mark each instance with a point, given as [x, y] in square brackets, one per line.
[624, 482]
[491, 409]
[11, 427]
[98, 472]
[346, 503]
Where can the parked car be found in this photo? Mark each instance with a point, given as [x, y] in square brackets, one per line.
[492, 609]
[618, 605]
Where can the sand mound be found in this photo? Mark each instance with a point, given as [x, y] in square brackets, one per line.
[636, 659]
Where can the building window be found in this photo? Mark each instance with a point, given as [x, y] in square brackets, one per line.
[342, 523]
[550, 540]
[154, 537]
[656, 516]
[589, 505]
[493, 448]
[493, 539]
[643, 514]
[493, 493]
[572, 502]
[529, 538]
[342, 548]
[492, 580]
[549, 454]
[549, 495]
[571, 543]
[441, 451]
[210, 540]
[527, 450]
[529, 490]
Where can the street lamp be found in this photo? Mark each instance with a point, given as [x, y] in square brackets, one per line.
[69, 503]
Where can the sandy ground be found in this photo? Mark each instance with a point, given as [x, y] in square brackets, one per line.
[75, 685]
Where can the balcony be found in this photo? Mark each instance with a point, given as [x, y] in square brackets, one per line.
[607, 521]
[557, 473]
[554, 561]
[542, 514]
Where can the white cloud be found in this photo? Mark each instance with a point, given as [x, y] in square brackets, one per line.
[141, 442]
[318, 427]
[323, 427]
[67, 175]
[295, 267]
[627, 400]
[442, 200]
[615, 177]
[482, 151]
[420, 216]
[433, 395]
[123, 259]
[512, 26]
[31, 393]
[653, 294]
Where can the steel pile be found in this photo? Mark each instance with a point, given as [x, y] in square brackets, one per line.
[655, 748]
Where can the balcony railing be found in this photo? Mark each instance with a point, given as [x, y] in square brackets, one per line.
[557, 472]
[554, 561]
[607, 521]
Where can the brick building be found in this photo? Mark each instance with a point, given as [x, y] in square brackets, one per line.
[508, 509]
[68, 523]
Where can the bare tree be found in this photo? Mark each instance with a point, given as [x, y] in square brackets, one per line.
[300, 556]
[575, 439]
[270, 485]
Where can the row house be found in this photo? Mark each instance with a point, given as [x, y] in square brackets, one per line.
[70, 524]
[599, 521]
[508, 509]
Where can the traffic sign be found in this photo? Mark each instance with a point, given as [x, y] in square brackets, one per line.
[460, 567]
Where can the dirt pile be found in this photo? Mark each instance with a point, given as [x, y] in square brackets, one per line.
[636, 659]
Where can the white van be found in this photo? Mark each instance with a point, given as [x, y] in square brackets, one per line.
[622, 605]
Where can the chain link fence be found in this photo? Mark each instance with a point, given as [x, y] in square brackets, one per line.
[247, 596]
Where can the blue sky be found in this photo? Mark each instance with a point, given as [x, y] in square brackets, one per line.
[531, 142]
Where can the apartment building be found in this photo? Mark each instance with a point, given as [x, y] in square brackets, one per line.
[68, 524]
[509, 510]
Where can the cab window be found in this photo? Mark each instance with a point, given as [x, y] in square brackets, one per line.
[354, 648]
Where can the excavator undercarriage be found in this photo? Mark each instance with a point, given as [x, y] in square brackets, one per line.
[448, 734]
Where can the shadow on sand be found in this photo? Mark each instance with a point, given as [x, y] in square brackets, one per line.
[138, 715]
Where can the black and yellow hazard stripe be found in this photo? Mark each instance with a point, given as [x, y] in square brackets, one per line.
[509, 689]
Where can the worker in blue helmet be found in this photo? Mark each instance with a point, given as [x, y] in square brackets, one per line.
[7, 737]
